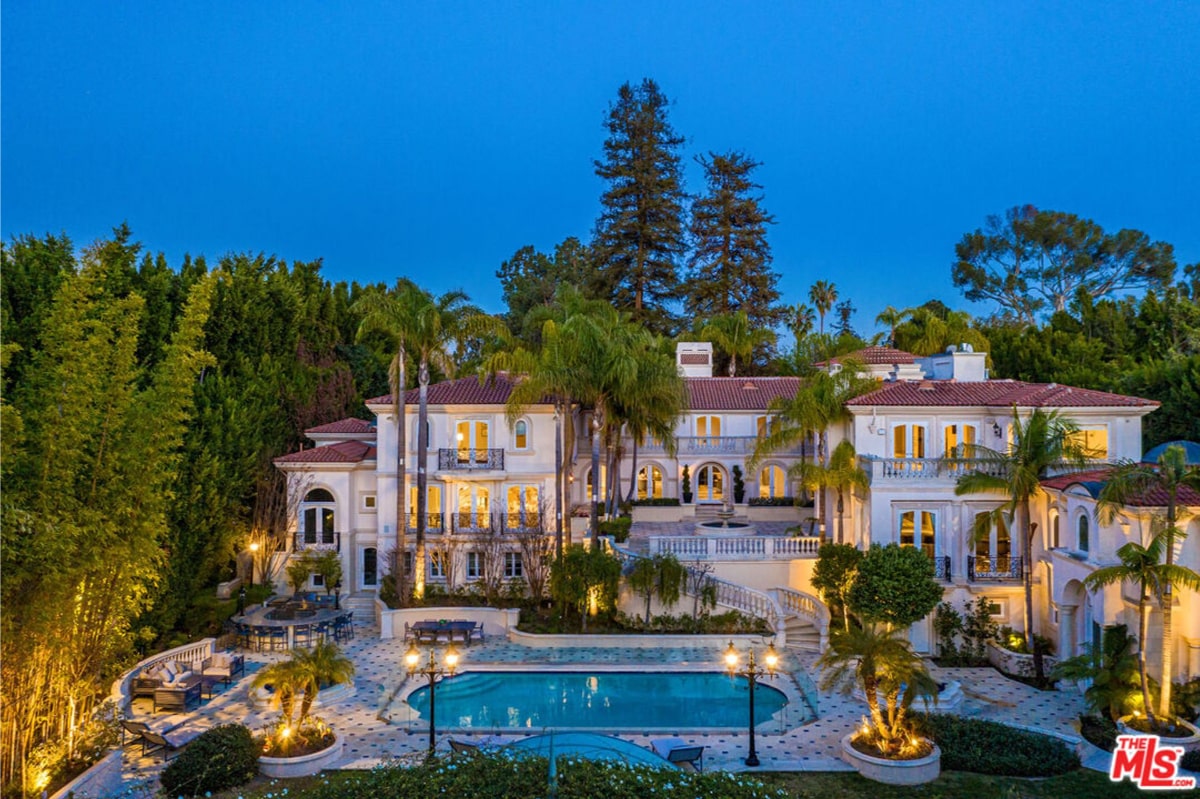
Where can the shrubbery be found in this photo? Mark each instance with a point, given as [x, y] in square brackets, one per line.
[772, 502]
[986, 747]
[223, 757]
[618, 528]
[503, 774]
[657, 502]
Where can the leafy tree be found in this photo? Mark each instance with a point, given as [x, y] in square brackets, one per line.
[929, 330]
[662, 576]
[834, 573]
[639, 235]
[530, 279]
[1029, 260]
[33, 269]
[1112, 669]
[894, 585]
[731, 259]
[651, 410]
[585, 577]
[1040, 442]
[822, 295]
[845, 312]
[1129, 481]
[735, 334]
[891, 317]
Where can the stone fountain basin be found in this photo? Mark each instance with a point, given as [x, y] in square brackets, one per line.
[725, 528]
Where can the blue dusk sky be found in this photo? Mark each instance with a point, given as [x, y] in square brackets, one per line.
[433, 139]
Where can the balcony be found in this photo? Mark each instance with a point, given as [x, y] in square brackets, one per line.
[709, 445]
[467, 460]
[994, 570]
[317, 540]
[760, 547]
[922, 469]
[434, 522]
[941, 568]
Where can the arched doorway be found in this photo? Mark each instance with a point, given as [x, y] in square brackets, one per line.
[710, 483]
[1074, 616]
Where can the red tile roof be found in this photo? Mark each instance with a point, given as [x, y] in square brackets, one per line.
[996, 394]
[463, 391]
[738, 393]
[343, 426]
[876, 355]
[342, 452]
[1154, 498]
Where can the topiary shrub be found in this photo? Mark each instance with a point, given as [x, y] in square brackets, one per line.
[221, 758]
[986, 747]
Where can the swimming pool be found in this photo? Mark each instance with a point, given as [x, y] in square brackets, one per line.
[597, 700]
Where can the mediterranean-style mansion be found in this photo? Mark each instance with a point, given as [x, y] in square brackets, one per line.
[489, 481]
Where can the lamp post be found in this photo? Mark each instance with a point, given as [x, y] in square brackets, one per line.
[253, 560]
[432, 671]
[751, 672]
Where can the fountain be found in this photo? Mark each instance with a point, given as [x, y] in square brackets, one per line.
[724, 525]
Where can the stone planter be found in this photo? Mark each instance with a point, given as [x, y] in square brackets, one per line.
[894, 772]
[1190, 743]
[1011, 662]
[304, 765]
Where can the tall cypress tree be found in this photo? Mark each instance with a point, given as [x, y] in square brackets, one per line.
[640, 233]
[731, 263]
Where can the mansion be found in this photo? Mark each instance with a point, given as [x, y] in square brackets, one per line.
[489, 480]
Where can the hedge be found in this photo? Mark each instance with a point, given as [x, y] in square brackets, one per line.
[221, 758]
[986, 747]
[771, 502]
[657, 502]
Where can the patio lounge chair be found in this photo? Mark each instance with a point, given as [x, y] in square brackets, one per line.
[686, 756]
[223, 665]
[134, 732]
[172, 740]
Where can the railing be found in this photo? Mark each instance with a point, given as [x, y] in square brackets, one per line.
[928, 468]
[941, 568]
[193, 654]
[692, 547]
[470, 522]
[434, 522]
[993, 569]
[521, 521]
[808, 607]
[317, 539]
[457, 460]
[710, 445]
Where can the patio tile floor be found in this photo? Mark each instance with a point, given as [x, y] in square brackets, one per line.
[815, 746]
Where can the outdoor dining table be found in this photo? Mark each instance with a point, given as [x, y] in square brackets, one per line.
[429, 630]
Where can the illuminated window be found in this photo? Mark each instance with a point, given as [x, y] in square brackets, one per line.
[708, 426]
[521, 435]
[908, 441]
[650, 482]
[960, 440]
[919, 529]
[710, 483]
[765, 425]
[772, 482]
[1092, 440]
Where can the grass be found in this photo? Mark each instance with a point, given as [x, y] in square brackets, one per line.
[951, 785]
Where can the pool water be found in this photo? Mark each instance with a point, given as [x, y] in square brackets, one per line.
[609, 700]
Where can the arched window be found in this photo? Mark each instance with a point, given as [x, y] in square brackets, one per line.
[591, 492]
[521, 435]
[650, 482]
[772, 482]
[1082, 532]
[1054, 539]
[317, 518]
[710, 483]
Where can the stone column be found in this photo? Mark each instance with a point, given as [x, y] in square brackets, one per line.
[1066, 631]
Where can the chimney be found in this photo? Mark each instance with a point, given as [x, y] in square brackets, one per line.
[694, 358]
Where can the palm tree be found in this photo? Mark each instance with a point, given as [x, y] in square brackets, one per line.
[653, 408]
[818, 405]
[1128, 481]
[439, 325]
[1142, 566]
[1040, 443]
[843, 473]
[880, 661]
[324, 664]
[891, 317]
[822, 295]
[285, 678]
[927, 332]
[391, 314]
[801, 322]
[735, 335]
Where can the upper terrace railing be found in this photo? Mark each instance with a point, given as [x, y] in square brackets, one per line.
[450, 460]
[693, 547]
[945, 468]
[1002, 569]
[709, 445]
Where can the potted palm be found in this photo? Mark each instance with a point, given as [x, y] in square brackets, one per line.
[892, 588]
[300, 744]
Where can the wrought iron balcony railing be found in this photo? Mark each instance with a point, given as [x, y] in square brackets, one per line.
[317, 539]
[434, 522]
[941, 568]
[1005, 569]
[450, 460]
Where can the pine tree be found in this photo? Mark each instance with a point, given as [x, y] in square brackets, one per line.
[639, 235]
[731, 263]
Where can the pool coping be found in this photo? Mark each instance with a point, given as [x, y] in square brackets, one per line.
[778, 724]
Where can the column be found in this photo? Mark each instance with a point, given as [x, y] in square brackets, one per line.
[1066, 631]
